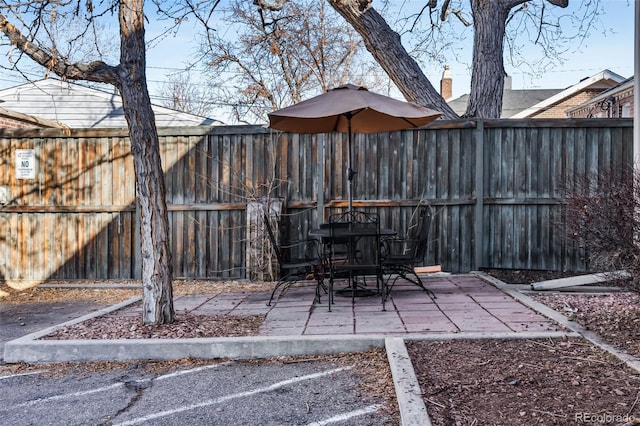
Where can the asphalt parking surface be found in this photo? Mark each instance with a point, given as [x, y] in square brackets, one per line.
[266, 392]
[215, 393]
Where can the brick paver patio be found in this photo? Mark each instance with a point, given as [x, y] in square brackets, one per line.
[463, 303]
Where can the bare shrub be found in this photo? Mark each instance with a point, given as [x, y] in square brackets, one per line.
[602, 217]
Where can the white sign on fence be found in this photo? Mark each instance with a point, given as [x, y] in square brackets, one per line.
[25, 164]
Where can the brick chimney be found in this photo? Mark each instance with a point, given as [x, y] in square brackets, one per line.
[446, 84]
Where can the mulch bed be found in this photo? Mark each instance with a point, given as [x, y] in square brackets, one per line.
[507, 382]
[548, 381]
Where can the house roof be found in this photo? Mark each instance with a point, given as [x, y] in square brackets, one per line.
[513, 101]
[78, 106]
[26, 118]
[602, 80]
[528, 102]
[615, 90]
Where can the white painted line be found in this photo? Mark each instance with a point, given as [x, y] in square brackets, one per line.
[110, 387]
[192, 370]
[210, 402]
[63, 396]
[24, 374]
[347, 416]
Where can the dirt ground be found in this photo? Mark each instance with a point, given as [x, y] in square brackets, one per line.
[489, 382]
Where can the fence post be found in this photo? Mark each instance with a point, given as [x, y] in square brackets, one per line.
[261, 263]
[478, 254]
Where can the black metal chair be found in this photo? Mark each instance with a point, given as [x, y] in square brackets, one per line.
[359, 232]
[297, 261]
[400, 256]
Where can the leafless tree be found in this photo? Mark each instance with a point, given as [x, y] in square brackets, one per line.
[493, 22]
[386, 47]
[33, 27]
[283, 52]
[181, 93]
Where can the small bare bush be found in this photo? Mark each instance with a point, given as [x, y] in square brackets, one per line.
[602, 216]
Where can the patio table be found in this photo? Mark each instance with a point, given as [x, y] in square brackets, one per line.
[325, 233]
[347, 235]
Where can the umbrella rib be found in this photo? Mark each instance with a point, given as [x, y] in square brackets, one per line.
[409, 121]
[353, 113]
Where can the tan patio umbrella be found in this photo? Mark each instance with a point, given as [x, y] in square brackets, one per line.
[351, 109]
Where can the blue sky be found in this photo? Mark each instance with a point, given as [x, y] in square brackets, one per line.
[609, 46]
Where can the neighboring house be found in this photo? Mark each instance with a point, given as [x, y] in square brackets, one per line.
[616, 102]
[546, 103]
[75, 106]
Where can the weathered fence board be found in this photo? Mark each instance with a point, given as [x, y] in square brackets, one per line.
[495, 186]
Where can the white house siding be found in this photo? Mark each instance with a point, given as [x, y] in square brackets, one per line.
[77, 106]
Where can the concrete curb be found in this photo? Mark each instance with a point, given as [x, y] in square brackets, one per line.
[83, 318]
[26, 349]
[32, 350]
[413, 410]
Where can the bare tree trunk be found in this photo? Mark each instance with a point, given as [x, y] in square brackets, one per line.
[154, 225]
[487, 76]
[386, 47]
[129, 77]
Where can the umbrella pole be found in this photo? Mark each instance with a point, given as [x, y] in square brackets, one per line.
[350, 171]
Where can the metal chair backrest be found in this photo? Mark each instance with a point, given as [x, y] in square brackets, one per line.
[273, 240]
[363, 230]
[423, 234]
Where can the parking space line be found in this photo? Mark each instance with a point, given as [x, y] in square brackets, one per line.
[110, 387]
[63, 396]
[189, 371]
[347, 416]
[221, 399]
[31, 373]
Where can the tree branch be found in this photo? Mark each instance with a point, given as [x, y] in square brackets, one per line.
[385, 46]
[445, 10]
[273, 7]
[459, 14]
[560, 3]
[97, 71]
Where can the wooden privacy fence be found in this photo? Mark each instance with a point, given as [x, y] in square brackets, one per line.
[68, 202]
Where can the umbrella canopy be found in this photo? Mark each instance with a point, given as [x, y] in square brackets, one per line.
[351, 109]
[365, 111]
